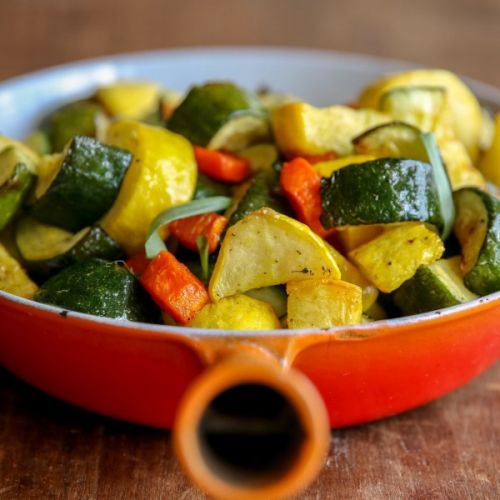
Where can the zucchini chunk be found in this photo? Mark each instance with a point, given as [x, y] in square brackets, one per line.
[100, 288]
[241, 131]
[477, 228]
[16, 180]
[75, 118]
[161, 176]
[13, 279]
[381, 192]
[220, 115]
[323, 303]
[301, 129]
[259, 194]
[85, 186]
[391, 140]
[273, 295]
[420, 106]
[238, 312]
[206, 187]
[433, 287]
[267, 248]
[462, 107]
[46, 249]
[394, 257]
[401, 140]
[260, 156]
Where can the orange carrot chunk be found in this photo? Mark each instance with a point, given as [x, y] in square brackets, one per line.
[221, 166]
[174, 287]
[187, 230]
[301, 185]
[138, 263]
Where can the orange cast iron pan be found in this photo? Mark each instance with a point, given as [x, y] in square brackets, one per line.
[251, 411]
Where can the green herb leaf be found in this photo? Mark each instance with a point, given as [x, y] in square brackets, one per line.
[442, 182]
[202, 244]
[154, 243]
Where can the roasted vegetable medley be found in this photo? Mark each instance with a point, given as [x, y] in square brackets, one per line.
[225, 208]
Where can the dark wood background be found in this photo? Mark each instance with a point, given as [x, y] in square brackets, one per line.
[448, 449]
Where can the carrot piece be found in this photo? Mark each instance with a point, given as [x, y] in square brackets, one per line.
[331, 155]
[174, 287]
[187, 230]
[137, 263]
[221, 166]
[301, 185]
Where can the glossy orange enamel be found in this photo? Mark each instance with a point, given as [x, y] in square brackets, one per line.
[243, 366]
[139, 372]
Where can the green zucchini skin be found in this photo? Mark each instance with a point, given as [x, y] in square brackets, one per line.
[206, 108]
[381, 191]
[76, 118]
[427, 291]
[484, 277]
[100, 288]
[261, 193]
[394, 140]
[419, 294]
[206, 187]
[274, 295]
[14, 192]
[95, 244]
[86, 186]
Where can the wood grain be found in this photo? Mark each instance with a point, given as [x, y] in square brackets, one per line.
[449, 449]
[462, 35]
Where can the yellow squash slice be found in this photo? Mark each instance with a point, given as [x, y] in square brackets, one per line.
[129, 99]
[267, 248]
[394, 256]
[302, 129]
[238, 312]
[25, 150]
[350, 273]
[461, 170]
[48, 168]
[352, 237]
[13, 279]
[490, 162]
[326, 168]
[323, 303]
[162, 174]
[463, 108]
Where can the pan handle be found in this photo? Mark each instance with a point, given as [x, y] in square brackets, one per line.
[250, 428]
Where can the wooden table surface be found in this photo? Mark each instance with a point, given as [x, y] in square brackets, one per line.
[448, 449]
